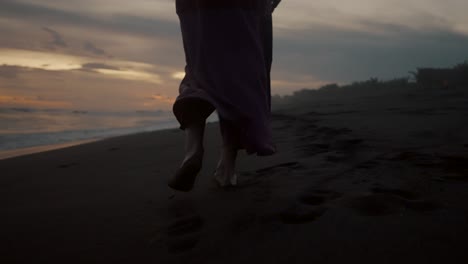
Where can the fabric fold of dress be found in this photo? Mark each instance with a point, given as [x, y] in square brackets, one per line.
[228, 52]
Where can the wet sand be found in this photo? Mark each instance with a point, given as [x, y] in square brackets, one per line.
[371, 179]
[5, 154]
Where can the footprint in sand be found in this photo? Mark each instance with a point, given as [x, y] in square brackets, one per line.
[397, 192]
[318, 197]
[347, 144]
[184, 234]
[183, 231]
[386, 201]
[300, 214]
[368, 165]
[67, 165]
[288, 165]
[417, 159]
[309, 207]
[329, 133]
[313, 148]
[446, 168]
[247, 179]
[113, 149]
[337, 157]
[454, 167]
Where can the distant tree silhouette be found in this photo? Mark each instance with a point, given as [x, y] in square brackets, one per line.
[443, 77]
[456, 76]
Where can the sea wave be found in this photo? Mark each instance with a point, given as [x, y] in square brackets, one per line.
[25, 127]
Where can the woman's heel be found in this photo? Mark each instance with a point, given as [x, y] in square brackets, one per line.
[184, 178]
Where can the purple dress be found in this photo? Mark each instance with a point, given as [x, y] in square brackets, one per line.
[228, 51]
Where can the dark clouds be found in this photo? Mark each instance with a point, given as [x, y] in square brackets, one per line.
[385, 52]
[57, 39]
[88, 46]
[128, 24]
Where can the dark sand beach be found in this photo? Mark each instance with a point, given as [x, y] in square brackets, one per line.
[376, 178]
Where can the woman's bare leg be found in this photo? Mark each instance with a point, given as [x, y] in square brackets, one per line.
[194, 140]
[225, 174]
[184, 178]
[194, 114]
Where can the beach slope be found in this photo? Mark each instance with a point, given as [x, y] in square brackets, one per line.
[370, 179]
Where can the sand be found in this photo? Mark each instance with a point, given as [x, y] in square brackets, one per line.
[370, 179]
[5, 154]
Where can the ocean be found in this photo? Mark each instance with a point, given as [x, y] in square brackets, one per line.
[22, 128]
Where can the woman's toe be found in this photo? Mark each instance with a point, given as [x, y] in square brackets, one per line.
[223, 180]
[233, 179]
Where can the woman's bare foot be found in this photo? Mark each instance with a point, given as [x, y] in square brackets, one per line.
[225, 174]
[185, 176]
[224, 178]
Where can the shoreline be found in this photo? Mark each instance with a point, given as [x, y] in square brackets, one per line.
[12, 153]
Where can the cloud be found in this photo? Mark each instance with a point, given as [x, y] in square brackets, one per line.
[383, 50]
[9, 71]
[112, 69]
[97, 66]
[88, 46]
[119, 23]
[31, 101]
[40, 59]
[37, 88]
[57, 39]
[162, 98]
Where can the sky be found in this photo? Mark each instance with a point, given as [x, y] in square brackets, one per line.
[120, 55]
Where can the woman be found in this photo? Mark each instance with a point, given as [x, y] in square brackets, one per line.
[228, 51]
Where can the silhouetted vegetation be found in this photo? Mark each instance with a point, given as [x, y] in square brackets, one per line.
[443, 77]
[425, 78]
[370, 87]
